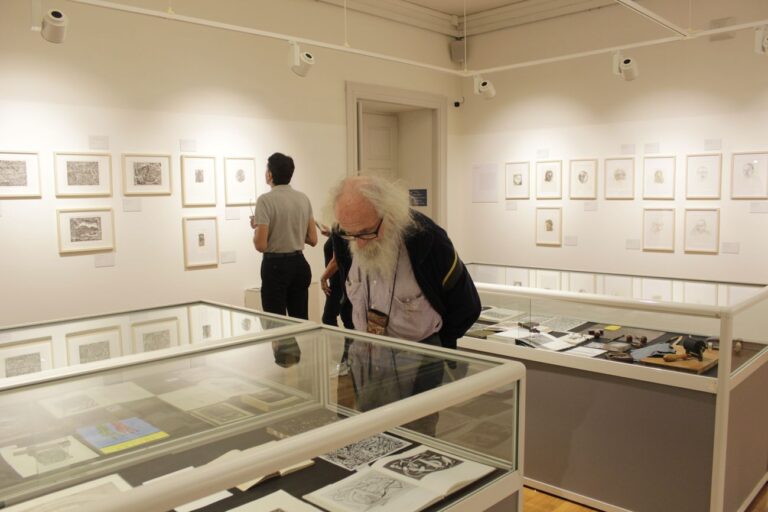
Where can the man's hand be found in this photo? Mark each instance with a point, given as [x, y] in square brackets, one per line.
[253, 221]
[325, 285]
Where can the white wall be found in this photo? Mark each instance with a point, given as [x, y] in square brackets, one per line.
[686, 94]
[416, 154]
[146, 83]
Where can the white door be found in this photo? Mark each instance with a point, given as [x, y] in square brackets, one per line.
[378, 145]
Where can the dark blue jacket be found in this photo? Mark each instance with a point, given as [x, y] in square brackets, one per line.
[439, 271]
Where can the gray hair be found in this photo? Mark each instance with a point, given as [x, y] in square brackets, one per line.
[389, 200]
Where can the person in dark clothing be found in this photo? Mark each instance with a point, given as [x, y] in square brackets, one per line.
[404, 279]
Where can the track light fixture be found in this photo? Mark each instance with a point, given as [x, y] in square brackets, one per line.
[625, 67]
[301, 61]
[52, 25]
[484, 87]
[761, 40]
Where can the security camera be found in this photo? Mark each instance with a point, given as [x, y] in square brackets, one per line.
[54, 27]
[761, 40]
[459, 102]
[484, 87]
[625, 67]
[301, 61]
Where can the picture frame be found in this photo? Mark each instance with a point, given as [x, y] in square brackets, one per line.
[703, 176]
[206, 323]
[700, 293]
[702, 230]
[659, 229]
[85, 230]
[154, 335]
[659, 177]
[549, 179]
[19, 175]
[94, 345]
[517, 276]
[656, 289]
[617, 286]
[749, 175]
[83, 174]
[239, 181]
[146, 174]
[582, 282]
[549, 226]
[583, 179]
[548, 280]
[619, 178]
[244, 323]
[198, 181]
[26, 356]
[201, 242]
[517, 180]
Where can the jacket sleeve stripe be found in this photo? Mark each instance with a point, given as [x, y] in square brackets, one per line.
[451, 277]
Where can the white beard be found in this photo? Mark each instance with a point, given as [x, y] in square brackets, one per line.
[378, 257]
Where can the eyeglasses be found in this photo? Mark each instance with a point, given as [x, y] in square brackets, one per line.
[362, 236]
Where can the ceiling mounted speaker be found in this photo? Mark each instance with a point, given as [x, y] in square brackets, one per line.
[458, 50]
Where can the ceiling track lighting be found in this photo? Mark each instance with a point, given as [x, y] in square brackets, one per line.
[483, 87]
[301, 61]
[625, 67]
[761, 40]
[52, 25]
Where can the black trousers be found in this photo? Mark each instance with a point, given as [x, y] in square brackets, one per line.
[335, 307]
[285, 285]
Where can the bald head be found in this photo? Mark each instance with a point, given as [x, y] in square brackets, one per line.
[353, 209]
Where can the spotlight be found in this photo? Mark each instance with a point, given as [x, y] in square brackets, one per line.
[54, 26]
[301, 61]
[761, 40]
[484, 88]
[459, 102]
[625, 67]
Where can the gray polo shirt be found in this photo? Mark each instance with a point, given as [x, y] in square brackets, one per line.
[286, 211]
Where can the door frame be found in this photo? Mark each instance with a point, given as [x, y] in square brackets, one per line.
[360, 92]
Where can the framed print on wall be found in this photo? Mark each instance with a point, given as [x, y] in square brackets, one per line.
[146, 175]
[549, 179]
[583, 179]
[659, 177]
[703, 175]
[659, 229]
[702, 230]
[83, 174]
[198, 181]
[19, 175]
[549, 226]
[87, 230]
[24, 357]
[518, 183]
[201, 242]
[749, 176]
[93, 345]
[239, 181]
[155, 335]
[619, 178]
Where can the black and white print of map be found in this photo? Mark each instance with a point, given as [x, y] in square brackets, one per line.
[364, 452]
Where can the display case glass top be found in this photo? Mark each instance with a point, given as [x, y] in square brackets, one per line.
[130, 422]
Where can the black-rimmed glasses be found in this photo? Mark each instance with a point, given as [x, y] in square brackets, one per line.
[362, 236]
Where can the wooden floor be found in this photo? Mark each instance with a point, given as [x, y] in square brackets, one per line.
[536, 501]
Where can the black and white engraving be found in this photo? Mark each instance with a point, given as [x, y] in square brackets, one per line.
[85, 229]
[156, 340]
[13, 173]
[48, 455]
[23, 364]
[206, 331]
[369, 492]
[245, 323]
[240, 175]
[364, 452]
[96, 351]
[201, 239]
[583, 177]
[81, 173]
[199, 175]
[147, 173]
[422, 464]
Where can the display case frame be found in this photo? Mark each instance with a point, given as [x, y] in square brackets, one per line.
[724, 399]
[209, 478]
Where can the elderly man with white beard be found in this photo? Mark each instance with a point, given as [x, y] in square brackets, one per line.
[404, 279]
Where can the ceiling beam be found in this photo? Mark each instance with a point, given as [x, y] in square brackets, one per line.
[654, 17]
[405, 13]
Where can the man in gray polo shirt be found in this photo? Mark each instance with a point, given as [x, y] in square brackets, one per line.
[283, 223]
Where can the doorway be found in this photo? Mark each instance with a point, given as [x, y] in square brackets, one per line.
[399, 135]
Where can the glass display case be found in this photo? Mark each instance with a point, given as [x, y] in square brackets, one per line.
[629, 371]
[266, 420]
[32, 348]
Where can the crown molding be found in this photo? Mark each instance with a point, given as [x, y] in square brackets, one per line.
[405, 13]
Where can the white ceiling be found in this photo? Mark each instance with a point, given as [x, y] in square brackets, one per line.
[457, 6]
